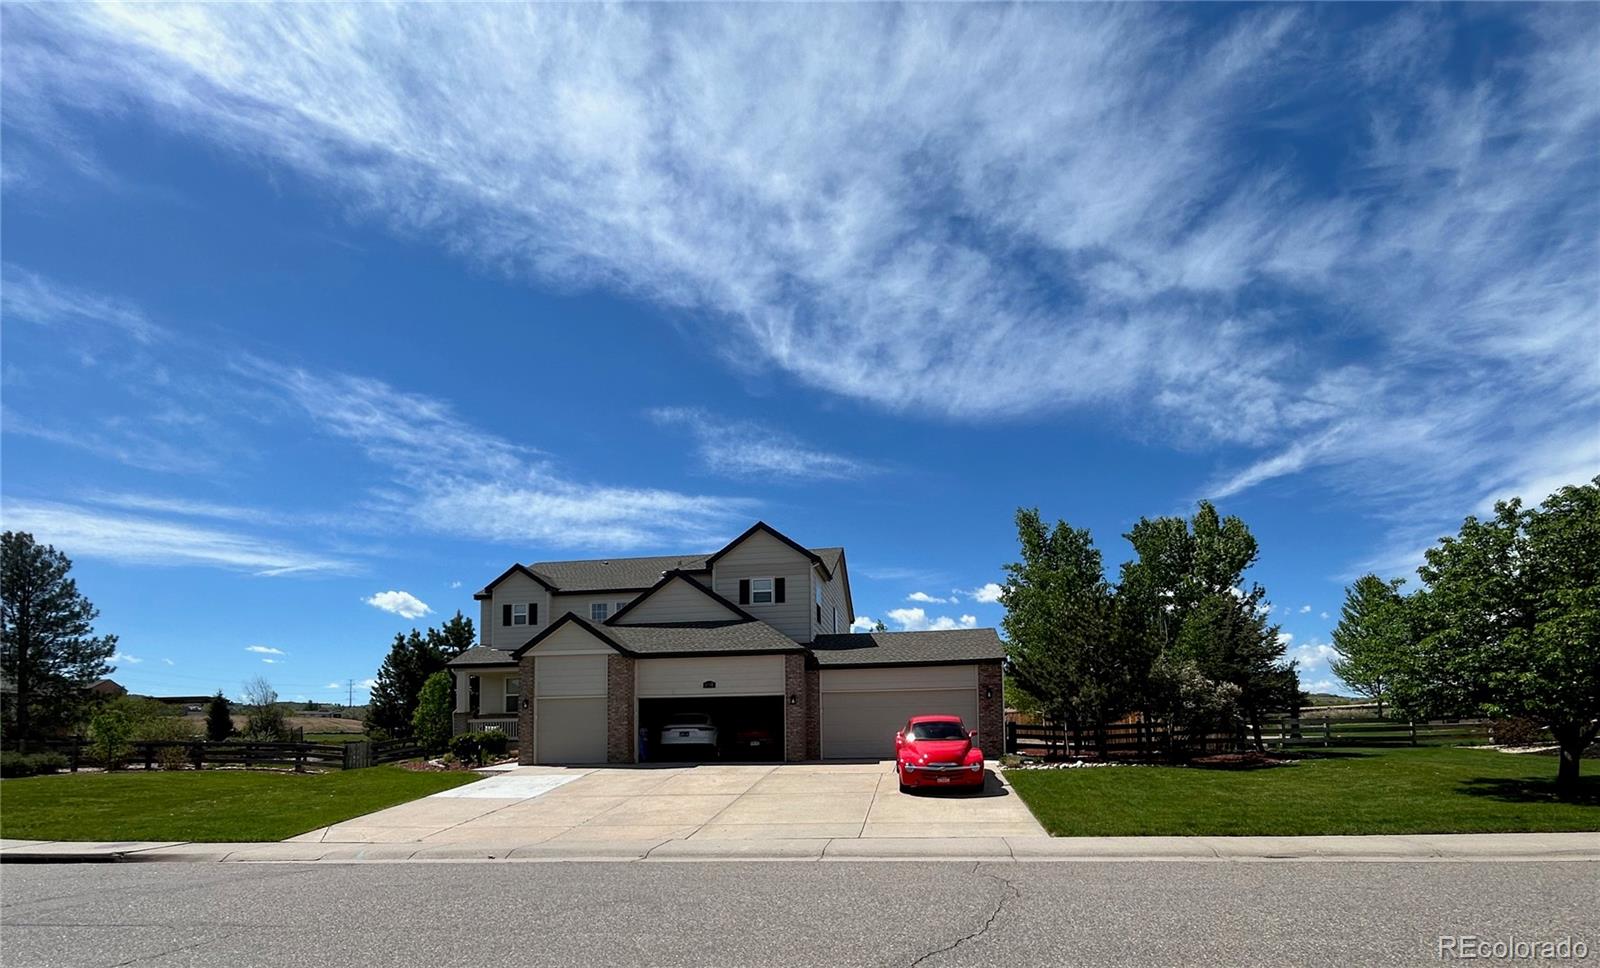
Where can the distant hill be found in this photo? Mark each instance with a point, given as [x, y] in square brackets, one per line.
[1329, 699]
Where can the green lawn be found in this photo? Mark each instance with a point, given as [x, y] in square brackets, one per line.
[208, 805]
[1366, 791]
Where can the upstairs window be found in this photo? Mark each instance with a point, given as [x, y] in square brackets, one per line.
[620, 607]
[513, 691]
[761, 591]
[524, 614]
[598, 611]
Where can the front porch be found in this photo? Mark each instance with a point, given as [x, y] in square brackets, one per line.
[487, 698]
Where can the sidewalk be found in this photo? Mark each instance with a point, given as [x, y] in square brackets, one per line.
[1414, 848]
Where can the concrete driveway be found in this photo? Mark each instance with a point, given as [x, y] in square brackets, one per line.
[813, 801]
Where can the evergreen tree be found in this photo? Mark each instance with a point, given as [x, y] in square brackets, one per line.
[411, 660]
[1372, 632]
[48, 649]
[219, 718]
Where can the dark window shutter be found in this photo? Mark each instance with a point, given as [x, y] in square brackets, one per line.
[744, 591]
[533, 613]
[505, 615]
[777, 589]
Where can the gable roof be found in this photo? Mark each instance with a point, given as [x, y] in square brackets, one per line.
[639, 574]
[517, 569]
[908, 648]
[740, 637]
[668, 579]
[762, 526]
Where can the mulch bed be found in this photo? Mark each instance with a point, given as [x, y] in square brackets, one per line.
[1252, 760]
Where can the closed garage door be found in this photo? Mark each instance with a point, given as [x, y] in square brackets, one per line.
[862, 709]
[569, 709]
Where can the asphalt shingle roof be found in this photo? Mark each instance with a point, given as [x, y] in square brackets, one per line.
[606, 574]
[905, 648]
[709, 638]
[482, 655]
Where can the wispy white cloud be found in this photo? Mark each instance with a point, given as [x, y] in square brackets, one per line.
[403, 604]
[1322, 615]
[368, 683]
[264, 650]
[272, 661]
[334, 685]
[455, 584]
[1305, 609]
[917, 620]
[927, 599]
[31, 297]
[168, 662]
[125, 657]
[863, 623]
[744, 449]
[131, 539]
[1410, 319]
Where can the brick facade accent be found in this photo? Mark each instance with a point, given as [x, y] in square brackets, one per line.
[813, 714]
[620, 740]
[525, 742]
[991, 710]
[795, 713]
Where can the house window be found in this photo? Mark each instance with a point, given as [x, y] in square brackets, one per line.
[519, 615]
[761, 591]
[598, 611]
[513, 692]
[620, 607]
[836, 618]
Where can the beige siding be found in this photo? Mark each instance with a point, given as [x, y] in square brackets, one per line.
[833, 601]
[491, 690]
[763, 556]
[570, 730]
[486, 620]
[579, 604]
[569, 675]
[518, 589]
[899, 677]
[678, 601]
[735, 675]
[572, 639]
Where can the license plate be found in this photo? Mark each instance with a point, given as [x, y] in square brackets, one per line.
[944, 779]
[755, 742]
[684, 734]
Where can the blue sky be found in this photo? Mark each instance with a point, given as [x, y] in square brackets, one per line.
[316, 316]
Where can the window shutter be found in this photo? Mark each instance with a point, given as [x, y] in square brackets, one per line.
[533, 613]
[744, 591]
[777, 589]
[505, 615]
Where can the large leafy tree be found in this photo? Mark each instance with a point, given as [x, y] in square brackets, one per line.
[48, 649]
[411, 660]
[1372, 631]
[1060, 625]
[1508, 622]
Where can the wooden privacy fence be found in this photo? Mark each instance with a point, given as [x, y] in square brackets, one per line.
[1146, 738]
[151, 754]
[363, 753]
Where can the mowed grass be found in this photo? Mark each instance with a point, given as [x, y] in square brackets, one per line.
[1351, 791]
[205, 805]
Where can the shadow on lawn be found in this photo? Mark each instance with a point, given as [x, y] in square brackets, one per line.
[1531, 791]
[1331, 755]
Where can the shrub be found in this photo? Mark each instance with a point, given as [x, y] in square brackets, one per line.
[493, 743]
[1519, 732]
[108, 736]
[466, 747]
[431, 722]
[31, 764]
[219, 718]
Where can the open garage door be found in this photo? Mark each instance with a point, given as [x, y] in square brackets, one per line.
[742, 695]
[862, 709]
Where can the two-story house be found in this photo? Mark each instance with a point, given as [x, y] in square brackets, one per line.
[584, 661]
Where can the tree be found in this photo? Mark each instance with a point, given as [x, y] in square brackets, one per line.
[48, 649]
[1061, 646]
[431, 724]
[878, 626]
[264, 719]
[219, 718]
[1371, 634]
[411, 660]
[1507, 622]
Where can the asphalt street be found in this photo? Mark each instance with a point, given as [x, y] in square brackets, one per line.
[792, 914]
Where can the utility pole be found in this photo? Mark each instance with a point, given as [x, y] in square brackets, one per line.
[349, 696]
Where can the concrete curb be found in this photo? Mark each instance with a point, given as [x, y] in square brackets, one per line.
[1584, 846]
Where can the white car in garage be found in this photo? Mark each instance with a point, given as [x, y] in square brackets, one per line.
[689, 729]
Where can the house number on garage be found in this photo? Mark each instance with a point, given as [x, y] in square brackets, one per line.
[709, 684]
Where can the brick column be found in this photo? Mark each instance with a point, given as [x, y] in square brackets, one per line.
[525, 712]
[991, 710]
[794, 712]
[813, 714]
[621, 742]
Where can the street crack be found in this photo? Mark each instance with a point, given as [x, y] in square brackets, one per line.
[1008, 890]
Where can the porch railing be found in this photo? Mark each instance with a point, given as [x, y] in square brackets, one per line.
[506, 724]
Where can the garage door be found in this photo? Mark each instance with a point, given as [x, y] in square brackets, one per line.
[570, 730]
[862, 709]
[569, 709]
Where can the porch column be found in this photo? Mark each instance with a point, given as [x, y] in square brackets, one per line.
[525, 751]
[458, 721]
[796, 700]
